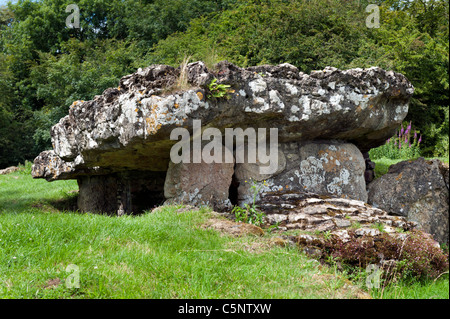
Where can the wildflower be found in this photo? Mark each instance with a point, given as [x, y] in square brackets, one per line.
[420, 139]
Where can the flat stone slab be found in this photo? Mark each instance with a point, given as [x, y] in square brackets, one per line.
[128, 127]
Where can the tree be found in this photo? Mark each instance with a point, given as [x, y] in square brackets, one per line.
[412, 39]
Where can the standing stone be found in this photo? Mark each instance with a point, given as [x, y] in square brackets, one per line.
[418, 191]
[325, 168]
[97, 194]
[369, 174]
[199, 183]
[121, 193]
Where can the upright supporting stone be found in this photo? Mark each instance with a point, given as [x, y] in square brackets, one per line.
[369, 174]
[97, 194]
[326, 168]
[200, 183]
[123, 197]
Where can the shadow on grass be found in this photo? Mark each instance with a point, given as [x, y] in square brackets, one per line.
[68, 203]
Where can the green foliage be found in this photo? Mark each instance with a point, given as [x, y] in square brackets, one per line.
[415, 41]
[310, 35]
[25, 168]
[379, 226]
[405, 144]
[250, 213]
[148, 22]
[218, 90]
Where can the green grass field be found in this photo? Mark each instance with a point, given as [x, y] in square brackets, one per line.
[164, 254]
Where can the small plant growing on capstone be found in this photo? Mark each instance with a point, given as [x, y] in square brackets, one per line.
[182, 81]
[218, 90]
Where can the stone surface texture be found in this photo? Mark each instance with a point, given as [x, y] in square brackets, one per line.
[324, 168]
[417, 190]
[309, 211]
[8, 170]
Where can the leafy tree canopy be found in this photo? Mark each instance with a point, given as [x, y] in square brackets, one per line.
[45, 66]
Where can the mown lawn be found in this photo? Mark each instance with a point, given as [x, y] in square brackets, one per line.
[156, 255]
[44, 249]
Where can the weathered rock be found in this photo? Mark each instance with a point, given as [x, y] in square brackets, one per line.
[324, 168]
[98, 194]
[368, 237]
[237, 229]
[199, 183]
[417, 190]
[9, 170]
[128, 128]
[312, 212]
[369, 174]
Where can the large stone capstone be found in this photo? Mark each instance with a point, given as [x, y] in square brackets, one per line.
[325, 121]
